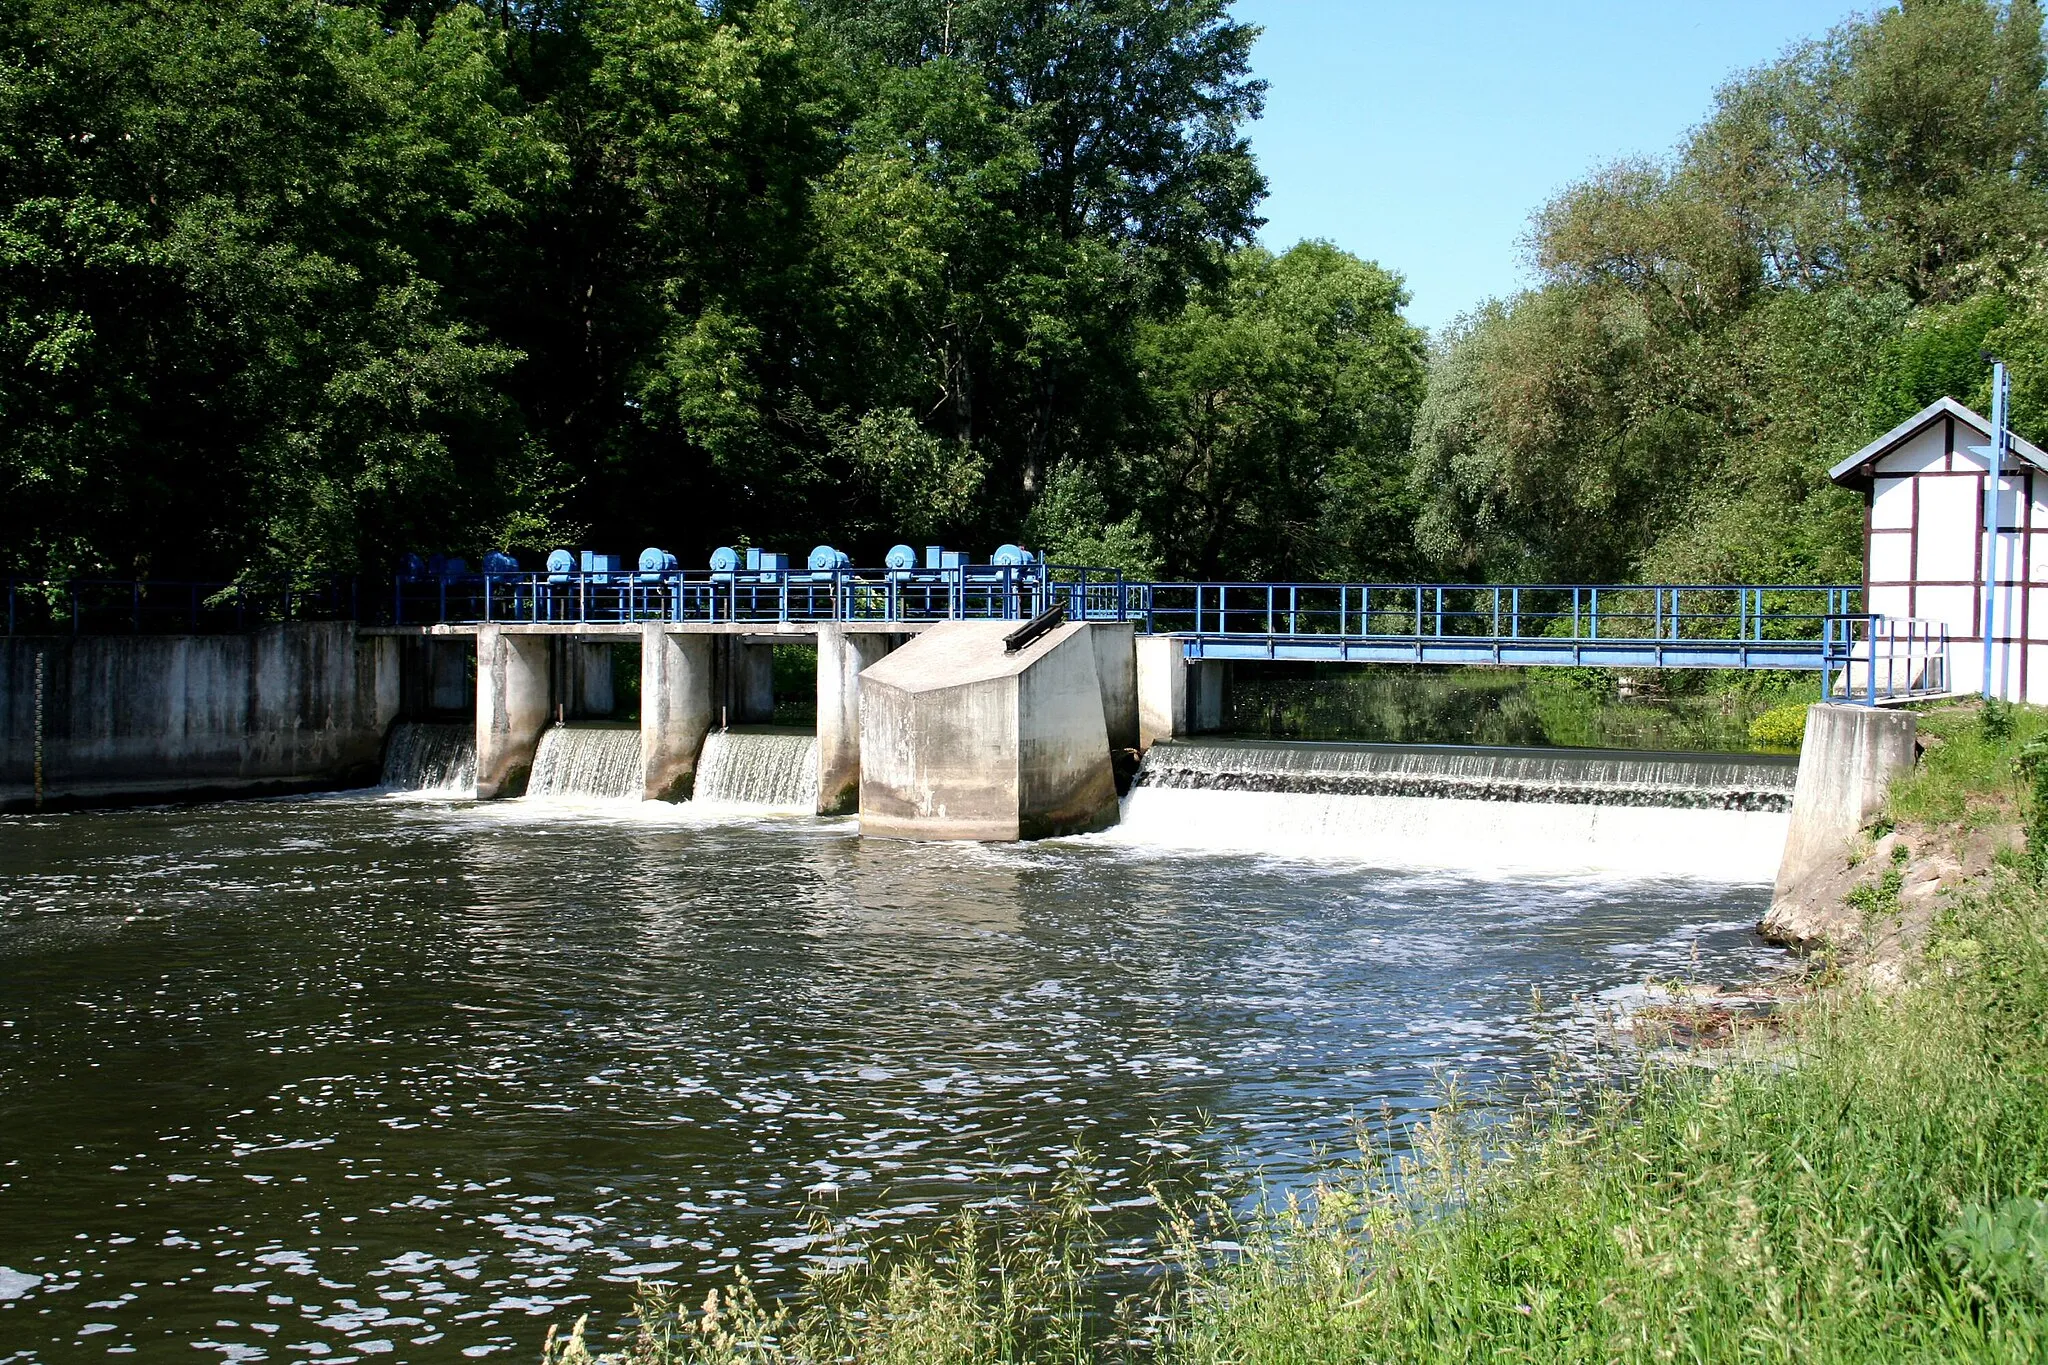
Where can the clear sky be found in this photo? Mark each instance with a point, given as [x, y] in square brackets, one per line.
[1422, 133]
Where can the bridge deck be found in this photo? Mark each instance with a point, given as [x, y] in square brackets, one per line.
[1805, 627]
[1797, 655]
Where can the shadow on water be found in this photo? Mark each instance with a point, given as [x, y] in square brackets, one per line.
[1580, 708]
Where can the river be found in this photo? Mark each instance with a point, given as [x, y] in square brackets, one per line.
[368, 1078]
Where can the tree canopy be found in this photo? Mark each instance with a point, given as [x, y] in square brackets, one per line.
[298, 286]
[295, 285]
[1837, 245]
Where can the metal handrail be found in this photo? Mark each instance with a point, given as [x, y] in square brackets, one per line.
[1505, 611]
[1899, 658]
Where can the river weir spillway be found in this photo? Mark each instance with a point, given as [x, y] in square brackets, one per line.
[1713, 816]
[587, 763]
[773, 769]
[431, 758]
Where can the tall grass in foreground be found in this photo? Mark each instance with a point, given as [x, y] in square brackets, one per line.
[1870, 1190]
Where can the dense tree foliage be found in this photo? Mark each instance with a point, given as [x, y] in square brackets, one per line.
[300, 285]
[296, 285]
[1832, 249]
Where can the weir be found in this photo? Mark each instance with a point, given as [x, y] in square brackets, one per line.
[1715, 817]
[958, 737]
[774, 769]
[424, 756]
[587, 763]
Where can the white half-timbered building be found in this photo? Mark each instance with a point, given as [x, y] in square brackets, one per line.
[1924, 542]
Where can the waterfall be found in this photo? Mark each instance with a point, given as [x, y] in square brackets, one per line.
[420, 757]
[1582, 777]
[770, 768]
[1713, 816]
[588, 763]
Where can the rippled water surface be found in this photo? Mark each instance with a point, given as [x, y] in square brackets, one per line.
[379, 1079]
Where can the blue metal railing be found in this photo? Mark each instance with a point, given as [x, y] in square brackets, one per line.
[1793, 626]
[1869, 659]
[763, 597]
[1506, 611]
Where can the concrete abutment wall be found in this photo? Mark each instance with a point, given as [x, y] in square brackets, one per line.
[1846, 766]
[127, 718]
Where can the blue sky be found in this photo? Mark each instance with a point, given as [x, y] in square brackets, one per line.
[1423, 135]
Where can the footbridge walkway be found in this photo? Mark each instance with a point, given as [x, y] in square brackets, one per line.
[1821, 628]
[1797, 627]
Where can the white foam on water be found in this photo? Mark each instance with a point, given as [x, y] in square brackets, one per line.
[587, 763]
[758, 769]
[1455, 834]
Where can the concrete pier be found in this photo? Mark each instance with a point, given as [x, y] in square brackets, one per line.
[1162, 688]
[961, 740]
[1846, 765]
[1116, 672]
[842, 655]
[513, 705]
[1176, 698]
[675, 709]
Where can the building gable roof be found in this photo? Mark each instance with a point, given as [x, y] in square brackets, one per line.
[1854, 471]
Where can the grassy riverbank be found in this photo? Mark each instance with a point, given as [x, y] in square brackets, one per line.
[1864, 1183]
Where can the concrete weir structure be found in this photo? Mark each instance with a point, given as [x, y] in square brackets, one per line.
[963, 739]
[300, 707]
[694, 679]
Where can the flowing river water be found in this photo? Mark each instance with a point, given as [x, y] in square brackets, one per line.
[391, 1078]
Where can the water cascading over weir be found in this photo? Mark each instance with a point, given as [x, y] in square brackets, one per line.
[1468, 809]
[587, 763]
[773, 769]
[429, 757]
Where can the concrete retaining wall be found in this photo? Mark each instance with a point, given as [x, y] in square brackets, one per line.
[1846, 765]
[162, 717]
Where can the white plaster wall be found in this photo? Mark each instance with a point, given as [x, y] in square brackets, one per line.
[1948, 530]
[1923, 452]
[1891, 558]
[1891, 506]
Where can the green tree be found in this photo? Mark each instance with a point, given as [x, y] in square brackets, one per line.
[1276, 427]
[1825, 255]
[224, 344]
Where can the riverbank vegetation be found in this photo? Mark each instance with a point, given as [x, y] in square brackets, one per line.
[1585, 708]
[295, 286]
[1862, 1177]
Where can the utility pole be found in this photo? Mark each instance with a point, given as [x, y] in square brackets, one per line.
[1996, 450]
